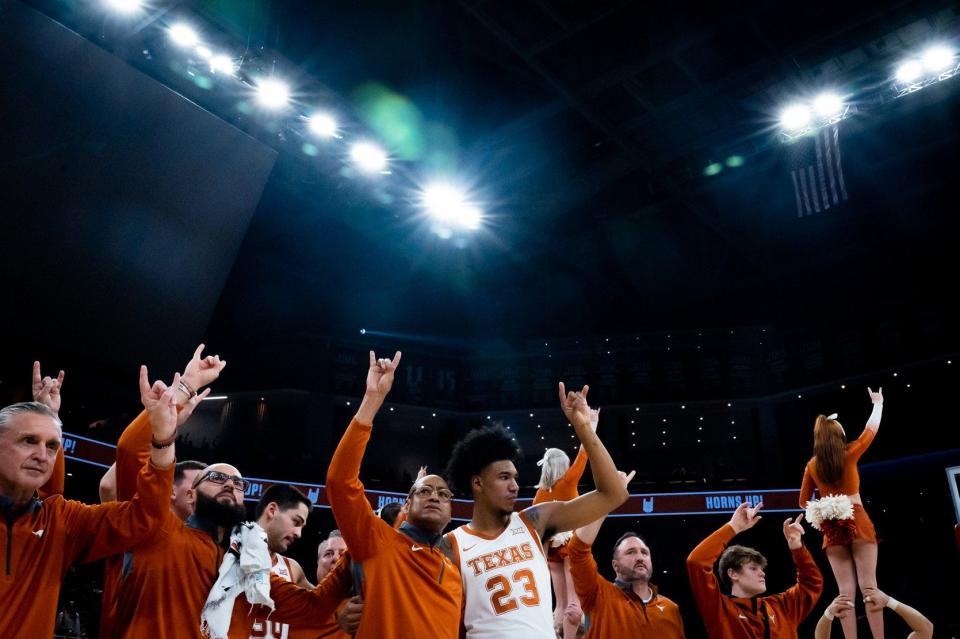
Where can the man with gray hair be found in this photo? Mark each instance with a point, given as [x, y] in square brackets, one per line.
[42, 538]
[329, 552]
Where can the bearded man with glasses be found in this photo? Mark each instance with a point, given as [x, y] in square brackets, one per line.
[165, 581]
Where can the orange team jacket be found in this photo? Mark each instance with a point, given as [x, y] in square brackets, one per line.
[410, 587]
[133, 451]
[849, 483]
[40, 544]
[566, 487]
[315, 608]
[616, 611]
[772, 617]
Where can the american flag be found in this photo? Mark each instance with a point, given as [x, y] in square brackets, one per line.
[817, 172]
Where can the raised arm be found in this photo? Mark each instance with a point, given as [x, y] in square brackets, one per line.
[362, 530]
[873, 422]
[107, 529]
[588, 534]
[558, 516]
[703, 581]
[46, 390]
[300, 606]
[133, 447]
[800, 598]
[922, 627]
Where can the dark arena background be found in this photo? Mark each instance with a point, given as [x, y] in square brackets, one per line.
[726, 218]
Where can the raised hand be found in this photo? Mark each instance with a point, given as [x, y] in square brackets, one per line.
[159, 402]
[573, 614]
[574, 406]
[422, 473]
[187, 409]
[150, 394]
[380, 375]
[745, 517]
[793, 531]
[876, 398]
[46, 390]
[841, 607]
[202, 371]
[625, 477]
[594, 418]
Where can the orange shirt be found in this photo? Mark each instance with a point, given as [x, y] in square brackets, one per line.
[614, 611]
[772, 616]
[41, 543]
[849, 483]
[566, 487]
[410, 588]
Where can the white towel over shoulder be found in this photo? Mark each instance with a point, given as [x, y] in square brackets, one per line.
[245, 569]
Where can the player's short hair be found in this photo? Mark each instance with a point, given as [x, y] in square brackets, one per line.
[624, 537]
[284, 496]
[480, 448]
[737, 557]
[180, 470]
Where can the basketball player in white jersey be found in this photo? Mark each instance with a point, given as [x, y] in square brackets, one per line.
[506, 581]
[282, 513]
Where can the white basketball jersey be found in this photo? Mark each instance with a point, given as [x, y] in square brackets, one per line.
[506, 583]
[264, 628]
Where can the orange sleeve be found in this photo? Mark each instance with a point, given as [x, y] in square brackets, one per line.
[703, 582]
[568, 483]
[799, 599]
[107, 529]
[133, 452]
[54, 485]
[362, 530]
[305, 607]
[806, 487]
[583, 571]
[859, 446]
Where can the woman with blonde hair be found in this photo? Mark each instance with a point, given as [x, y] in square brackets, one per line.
[850, 540]
[558, 482]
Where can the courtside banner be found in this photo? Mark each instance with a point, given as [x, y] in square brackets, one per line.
[91, 451]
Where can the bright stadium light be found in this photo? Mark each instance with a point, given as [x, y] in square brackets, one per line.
[273, 93]
[909, 71]
[937, 59]
[369, 157]
[183, 35]
[828, 105]
[124, 6]
[203, 52]
[323, 124]
[448, 205]
[222, 64]
[795, 117]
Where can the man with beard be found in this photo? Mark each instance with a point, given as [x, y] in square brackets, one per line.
[631, 606]
[165, 581]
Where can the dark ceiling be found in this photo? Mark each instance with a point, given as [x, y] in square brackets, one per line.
[586, 128]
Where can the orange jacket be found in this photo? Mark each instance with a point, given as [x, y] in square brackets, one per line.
[616, 612]
[165, 581]
[40, 545]
[133, 451]
[410, 588]
[770, 617]
[849, 483]
[566, 487]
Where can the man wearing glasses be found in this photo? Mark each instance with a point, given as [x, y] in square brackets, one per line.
[165, 581]
[409, 585]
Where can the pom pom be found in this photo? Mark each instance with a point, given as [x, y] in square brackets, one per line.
[831, 507]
